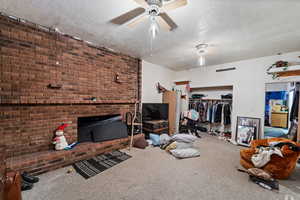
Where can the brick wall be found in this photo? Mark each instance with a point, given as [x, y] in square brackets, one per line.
[2, 167]
[32, 59]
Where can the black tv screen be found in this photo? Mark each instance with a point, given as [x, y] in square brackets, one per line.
[155, 111]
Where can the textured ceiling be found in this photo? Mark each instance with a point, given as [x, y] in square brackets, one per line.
[234, 29]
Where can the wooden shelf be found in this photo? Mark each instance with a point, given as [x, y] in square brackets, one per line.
[155, 130]
[210, 99]
[284, 72]
[66, 102]
[182, 82]
[225, 87]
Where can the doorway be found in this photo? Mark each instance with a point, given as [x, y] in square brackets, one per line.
[281, 110]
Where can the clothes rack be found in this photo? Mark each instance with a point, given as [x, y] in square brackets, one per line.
[213, 112]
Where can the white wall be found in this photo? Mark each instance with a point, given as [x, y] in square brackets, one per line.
[273, 87]
[151, 75]
[248, 82]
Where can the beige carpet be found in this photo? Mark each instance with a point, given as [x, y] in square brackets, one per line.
[152, 174]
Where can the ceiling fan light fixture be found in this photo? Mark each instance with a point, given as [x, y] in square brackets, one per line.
[154, 27]
[201, 46]
[201, 60]
[201, 50]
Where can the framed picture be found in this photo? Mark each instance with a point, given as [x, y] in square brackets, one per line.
[247, 129]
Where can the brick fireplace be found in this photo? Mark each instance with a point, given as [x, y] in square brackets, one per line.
[48, 79]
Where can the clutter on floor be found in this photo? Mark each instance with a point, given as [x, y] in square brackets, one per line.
[262, 178]
[214, 115]
[276, 156]
[28, 181]
[178, 145]
[147, 175]
[91, 167]
[140, 143]
[188, 122]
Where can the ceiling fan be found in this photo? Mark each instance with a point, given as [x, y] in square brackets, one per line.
[155, 9]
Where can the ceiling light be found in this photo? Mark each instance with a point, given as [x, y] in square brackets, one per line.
[201, 60]
[201, 50]
[154, 27]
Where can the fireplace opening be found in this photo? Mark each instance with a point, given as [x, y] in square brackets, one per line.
[101, 128]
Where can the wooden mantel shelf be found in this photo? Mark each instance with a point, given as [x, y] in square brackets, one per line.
[78, 102]
[289, 71]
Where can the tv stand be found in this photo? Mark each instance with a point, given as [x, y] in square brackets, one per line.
[156, 126]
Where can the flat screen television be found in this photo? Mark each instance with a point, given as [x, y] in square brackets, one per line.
[155, 111]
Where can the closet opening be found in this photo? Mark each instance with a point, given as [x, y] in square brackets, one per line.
[281, 110]
[214, 105]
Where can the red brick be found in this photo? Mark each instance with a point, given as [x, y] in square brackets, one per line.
[30, 111]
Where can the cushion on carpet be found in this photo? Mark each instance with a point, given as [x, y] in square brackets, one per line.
[187, 138]
[184, 145]
[185, 153]
[164, 139]
[140, 143]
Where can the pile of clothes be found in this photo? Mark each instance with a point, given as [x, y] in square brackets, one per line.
[179, 145]
[262, 178]
[263, 154]
[275, 158]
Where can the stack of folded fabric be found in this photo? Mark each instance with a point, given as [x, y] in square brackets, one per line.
[180, 145]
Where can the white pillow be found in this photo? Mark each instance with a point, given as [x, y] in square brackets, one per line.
[185, 153]
[183, 145]
[164, 139]
[187, 138]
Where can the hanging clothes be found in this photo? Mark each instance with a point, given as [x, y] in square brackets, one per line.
[218, 113]
[227, 114]
[212, 111]
[295, 107]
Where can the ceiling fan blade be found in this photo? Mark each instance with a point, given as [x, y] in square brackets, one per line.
[142, 3]
[122, 19]
[137, 21]
[175, 4]
[166, 22]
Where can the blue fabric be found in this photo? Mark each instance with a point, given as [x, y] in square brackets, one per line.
[194, 115]
[275, 132]
[155, 139]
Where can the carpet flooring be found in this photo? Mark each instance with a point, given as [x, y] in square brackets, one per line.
[152, 174]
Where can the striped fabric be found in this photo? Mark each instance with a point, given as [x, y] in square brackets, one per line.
[91, 167]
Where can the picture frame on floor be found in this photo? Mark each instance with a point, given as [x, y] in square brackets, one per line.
[247, 129]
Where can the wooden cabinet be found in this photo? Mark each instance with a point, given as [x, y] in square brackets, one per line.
[279, 119]
[170, 98]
